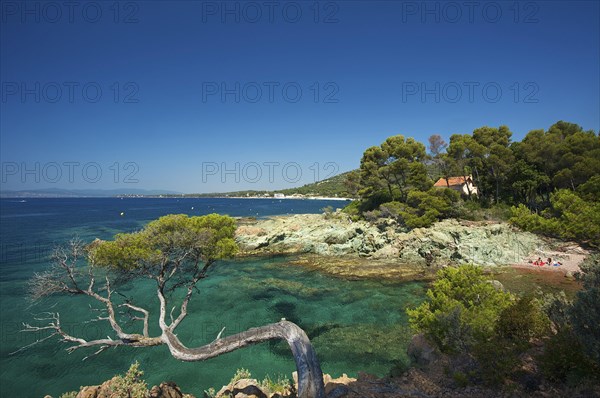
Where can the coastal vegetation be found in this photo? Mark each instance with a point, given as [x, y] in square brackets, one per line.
[490, 334]
[548, 183]
[129, 385]
[276, 386]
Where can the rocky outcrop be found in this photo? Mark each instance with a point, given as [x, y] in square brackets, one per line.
[167, 390]
[243, 388]
[414, 384]
[105, 390]
[446, 242]
[251, 388]
[428, 380]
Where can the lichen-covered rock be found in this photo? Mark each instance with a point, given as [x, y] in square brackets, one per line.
[446, 242]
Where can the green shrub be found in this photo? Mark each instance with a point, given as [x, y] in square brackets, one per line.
[579, 219]
[569, 217]
[590, 190]
[70, 394]
[461, 309]
[557, 308]
[270, 385]
[460, 379]
[497, 359]
[422, 208]
[467, 210]
[498, 212]
[585, 312]
[425, 208]
[522, 320]
[240, 374]
[517, 324]
[523, 218]
[573, 354]
[280, 385]
[353, 210]
[130, 385]
[210, 393]
[564, 360]
[392, 209]
[373, 201]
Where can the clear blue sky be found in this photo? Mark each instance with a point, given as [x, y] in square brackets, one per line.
[168, 61]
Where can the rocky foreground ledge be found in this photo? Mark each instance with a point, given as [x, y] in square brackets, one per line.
[428, 379]
[414, 384]
[448, 241]
[242, 388]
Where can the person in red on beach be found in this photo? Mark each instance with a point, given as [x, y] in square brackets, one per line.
[539, 262]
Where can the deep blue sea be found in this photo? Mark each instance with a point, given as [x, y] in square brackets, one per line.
[354, 325]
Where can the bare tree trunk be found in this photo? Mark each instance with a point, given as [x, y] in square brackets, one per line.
[466, 184]
[310, 376]
[479, 185]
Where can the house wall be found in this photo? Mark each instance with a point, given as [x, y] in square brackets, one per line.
[468, 186]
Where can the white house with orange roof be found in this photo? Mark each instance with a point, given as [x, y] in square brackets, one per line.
[459, 184]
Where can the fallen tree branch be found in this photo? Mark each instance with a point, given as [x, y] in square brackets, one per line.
[310, 377]
[143, 311]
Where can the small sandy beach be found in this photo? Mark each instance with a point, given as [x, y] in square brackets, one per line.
[570, 256]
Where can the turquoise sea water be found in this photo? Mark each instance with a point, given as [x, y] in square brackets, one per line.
[354, 325]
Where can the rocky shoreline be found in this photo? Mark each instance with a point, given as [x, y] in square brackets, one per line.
[363, 249]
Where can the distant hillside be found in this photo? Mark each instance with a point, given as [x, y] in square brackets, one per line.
[332, 187]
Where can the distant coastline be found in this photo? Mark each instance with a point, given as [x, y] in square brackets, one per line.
[223, 196]
[40, 195]
[332, 188]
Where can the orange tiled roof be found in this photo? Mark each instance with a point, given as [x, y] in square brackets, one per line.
[453, 181]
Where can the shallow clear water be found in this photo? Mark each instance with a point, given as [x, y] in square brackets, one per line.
[354, 325]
